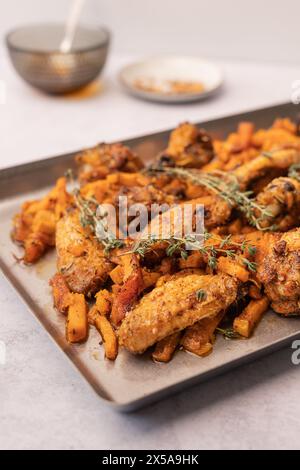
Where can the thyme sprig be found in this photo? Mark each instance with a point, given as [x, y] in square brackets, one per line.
[227, 187]
[294, 171]
[228, 333]
[184, 245]
[201, 295]
[93, 216]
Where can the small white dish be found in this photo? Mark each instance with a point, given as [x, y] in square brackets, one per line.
[158, 73]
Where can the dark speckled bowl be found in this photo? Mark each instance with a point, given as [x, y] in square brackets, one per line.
[34, 52]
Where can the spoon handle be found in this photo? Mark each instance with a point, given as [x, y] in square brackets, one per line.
[71, 25]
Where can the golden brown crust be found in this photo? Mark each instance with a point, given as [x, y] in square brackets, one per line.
[175, 306]
[104, 159]
[279, 271]
[259, 166]
[80, 259]
[189, 147]
[281, 197]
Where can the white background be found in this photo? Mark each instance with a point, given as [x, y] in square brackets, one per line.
[265, 30]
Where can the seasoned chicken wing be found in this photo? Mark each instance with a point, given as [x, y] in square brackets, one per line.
[100, 161]
[259, 166]
[80, 257]
[205, 212]
[282, 200]
[146, 195]
[279, 271]
[177, 304]
[188, 147]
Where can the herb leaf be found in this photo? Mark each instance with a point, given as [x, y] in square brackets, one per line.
[176, 245]
[228, 333]
[92, 216]
[250, 265]
[294, 172]
[201, 295]
[227, 187]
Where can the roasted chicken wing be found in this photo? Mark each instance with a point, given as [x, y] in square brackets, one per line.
[259, 166]
[282, 200]
[100, 161]
[188, 147]
[80, 257]
[279, 271]
[174, 306]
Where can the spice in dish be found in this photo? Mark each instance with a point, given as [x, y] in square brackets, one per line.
[169, 87]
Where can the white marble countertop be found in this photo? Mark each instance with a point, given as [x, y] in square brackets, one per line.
[44, 403]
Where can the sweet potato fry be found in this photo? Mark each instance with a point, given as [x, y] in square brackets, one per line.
[21, 229]
[93, 314]
[165, 348]
[245, 323]
[150, 278]
[104, 301]
[198, 339]
[194, 260]
[128, 293]
[35, 246]
[35, 226]
[77, 321]
[129, 264]
[63, 199]
[235, 227]
[255, 292]
[245, 133]
[108, 335]
[230, 266]
[117, 275]
[61, 293]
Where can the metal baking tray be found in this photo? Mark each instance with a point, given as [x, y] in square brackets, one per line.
[131, 382]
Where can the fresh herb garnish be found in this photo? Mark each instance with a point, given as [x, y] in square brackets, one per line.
[252, 266]
[201, 295]
[228, 333]
[93, 216]
[176, 245]
[251, 250]
[294, 172]
[267, 154]
[227, 187]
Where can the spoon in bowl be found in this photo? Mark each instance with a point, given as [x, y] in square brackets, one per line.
[71, 26]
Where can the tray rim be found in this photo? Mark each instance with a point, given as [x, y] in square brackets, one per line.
[37, 164]
[132, 405]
